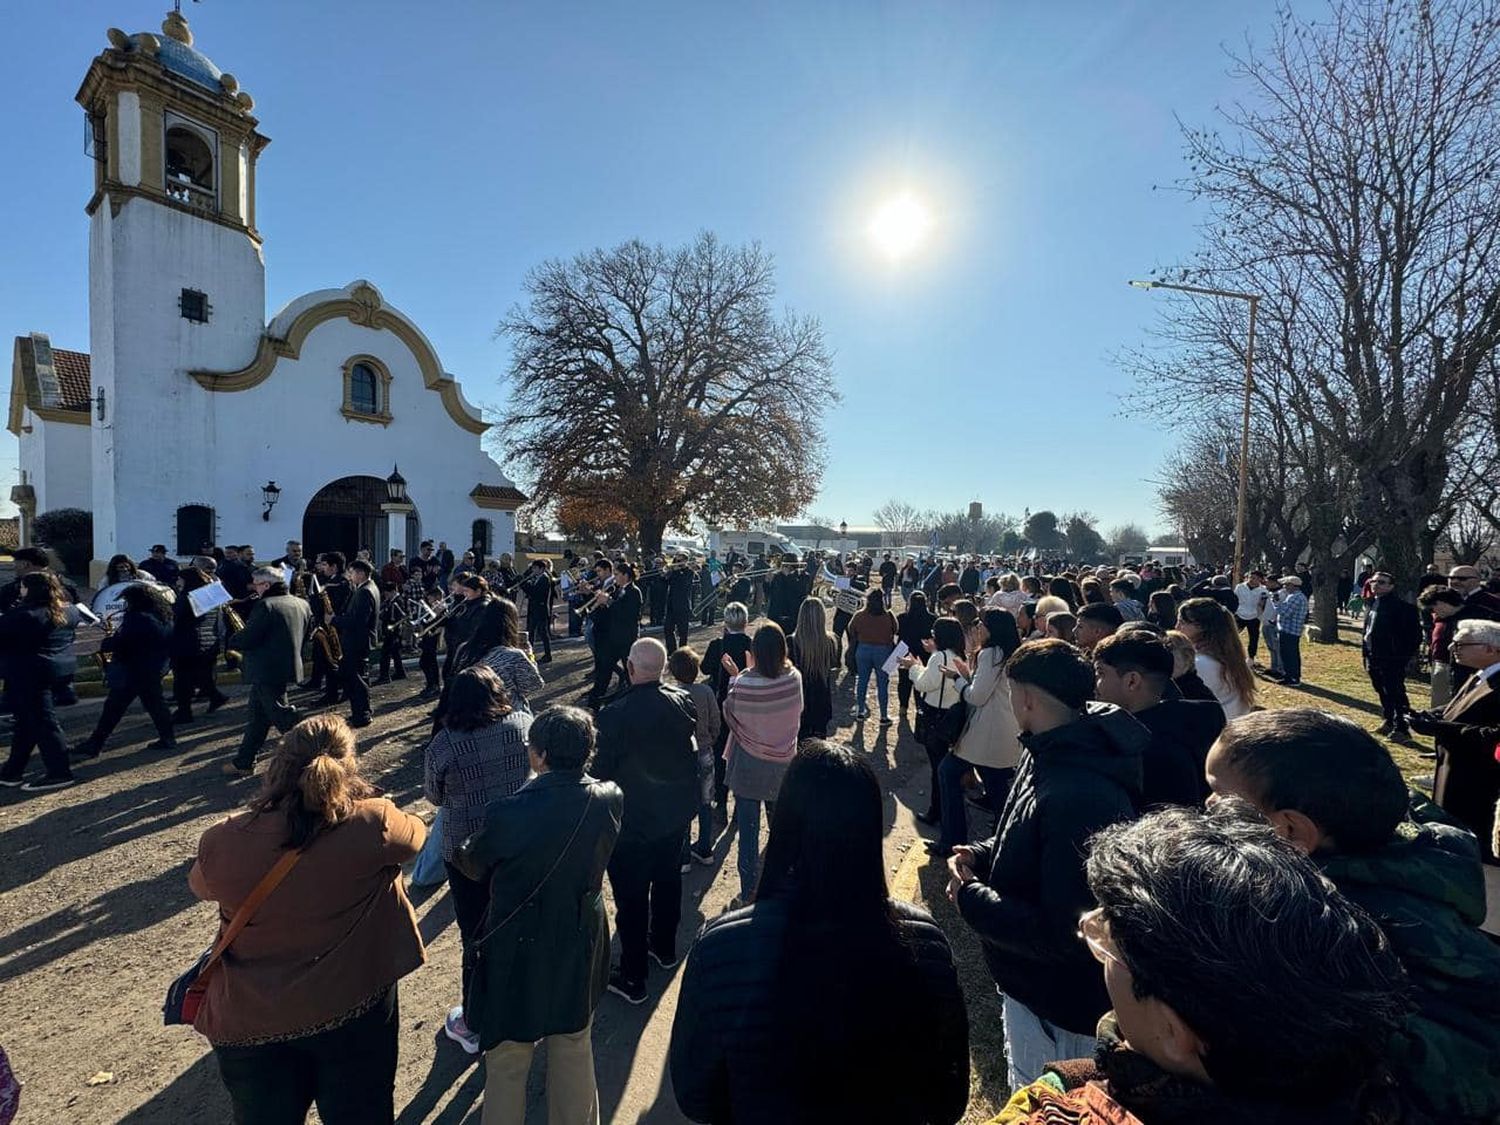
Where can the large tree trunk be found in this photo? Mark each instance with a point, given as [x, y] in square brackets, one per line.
[1325, 607]
[650, 532]
[1402, 553]
[1327, 567]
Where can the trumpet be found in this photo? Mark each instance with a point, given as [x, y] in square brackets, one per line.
[586, 610]
[436, 618]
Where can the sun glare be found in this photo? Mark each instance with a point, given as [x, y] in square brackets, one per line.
[899, 226]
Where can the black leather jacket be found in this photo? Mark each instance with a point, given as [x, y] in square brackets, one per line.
[544, 945]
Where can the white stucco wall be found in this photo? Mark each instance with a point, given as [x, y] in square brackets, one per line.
[289, 429]
[157, 437]
[55, 458]
[166, 441]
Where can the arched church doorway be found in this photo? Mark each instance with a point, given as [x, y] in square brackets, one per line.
[345, 516]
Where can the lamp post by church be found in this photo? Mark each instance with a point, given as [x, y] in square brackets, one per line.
[396, 509]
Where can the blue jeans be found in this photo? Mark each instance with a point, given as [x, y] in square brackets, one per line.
[870, 658]
[1291, 656]
[954, 825]
[747, 821]
[1031, 1043]
[1272, 636]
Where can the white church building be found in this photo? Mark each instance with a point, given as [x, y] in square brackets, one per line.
[193, 419]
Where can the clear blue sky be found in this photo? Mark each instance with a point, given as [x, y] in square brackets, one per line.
[442, 149]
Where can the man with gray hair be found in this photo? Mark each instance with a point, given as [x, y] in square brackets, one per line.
[1467, 782]
[271, 647]
[647, 748]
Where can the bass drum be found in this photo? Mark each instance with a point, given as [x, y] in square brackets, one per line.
[109, 607]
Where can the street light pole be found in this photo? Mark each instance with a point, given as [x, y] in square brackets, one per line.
[1244, 483]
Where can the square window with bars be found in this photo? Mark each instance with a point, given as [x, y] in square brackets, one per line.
[194, 306]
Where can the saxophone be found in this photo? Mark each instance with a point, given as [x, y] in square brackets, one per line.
[325, 636]
[233, 623]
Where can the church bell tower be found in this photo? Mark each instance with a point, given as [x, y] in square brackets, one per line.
[176, 276]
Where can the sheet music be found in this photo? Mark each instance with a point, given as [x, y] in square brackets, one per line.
[205, 598]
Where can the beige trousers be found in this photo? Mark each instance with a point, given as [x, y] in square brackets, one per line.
[572, 1094]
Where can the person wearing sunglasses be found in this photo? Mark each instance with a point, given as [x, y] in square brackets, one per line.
[1393, 631]
[1244, 987]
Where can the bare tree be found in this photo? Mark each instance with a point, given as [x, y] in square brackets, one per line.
[659, 384]
[1470, 535]
[902, 522]
[823, 528]
[958, 532]
[1127, 539]
[1359, 189]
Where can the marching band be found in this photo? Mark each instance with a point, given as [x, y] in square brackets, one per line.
[449, 616]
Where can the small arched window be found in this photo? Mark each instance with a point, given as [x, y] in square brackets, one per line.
[367, 390]
[363, 391]
[190, 168]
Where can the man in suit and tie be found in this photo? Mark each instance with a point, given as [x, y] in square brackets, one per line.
[357, 626]
[1467, 783]
[271, 645]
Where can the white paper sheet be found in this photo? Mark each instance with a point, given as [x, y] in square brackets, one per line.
[893, 661]
[205, 598]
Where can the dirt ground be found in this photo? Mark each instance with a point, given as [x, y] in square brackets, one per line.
[96, 919]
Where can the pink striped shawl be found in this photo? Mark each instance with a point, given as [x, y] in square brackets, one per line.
[763, 715]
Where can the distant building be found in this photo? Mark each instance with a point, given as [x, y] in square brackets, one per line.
[868, 538]
[189, 404]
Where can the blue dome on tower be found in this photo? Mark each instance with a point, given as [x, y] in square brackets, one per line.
[189, 62]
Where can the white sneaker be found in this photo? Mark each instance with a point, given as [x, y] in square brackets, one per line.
[456, 1029]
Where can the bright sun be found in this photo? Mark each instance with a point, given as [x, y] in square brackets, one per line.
[899, 226]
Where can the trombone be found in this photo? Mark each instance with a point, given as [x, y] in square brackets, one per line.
[722, 589]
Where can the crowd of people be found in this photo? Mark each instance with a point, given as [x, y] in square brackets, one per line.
[1192, 909]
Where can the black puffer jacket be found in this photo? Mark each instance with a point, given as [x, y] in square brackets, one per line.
[1182, 731]
[1030, 890]
[729, 1065]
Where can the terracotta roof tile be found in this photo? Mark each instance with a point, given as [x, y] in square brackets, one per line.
[73, 378]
